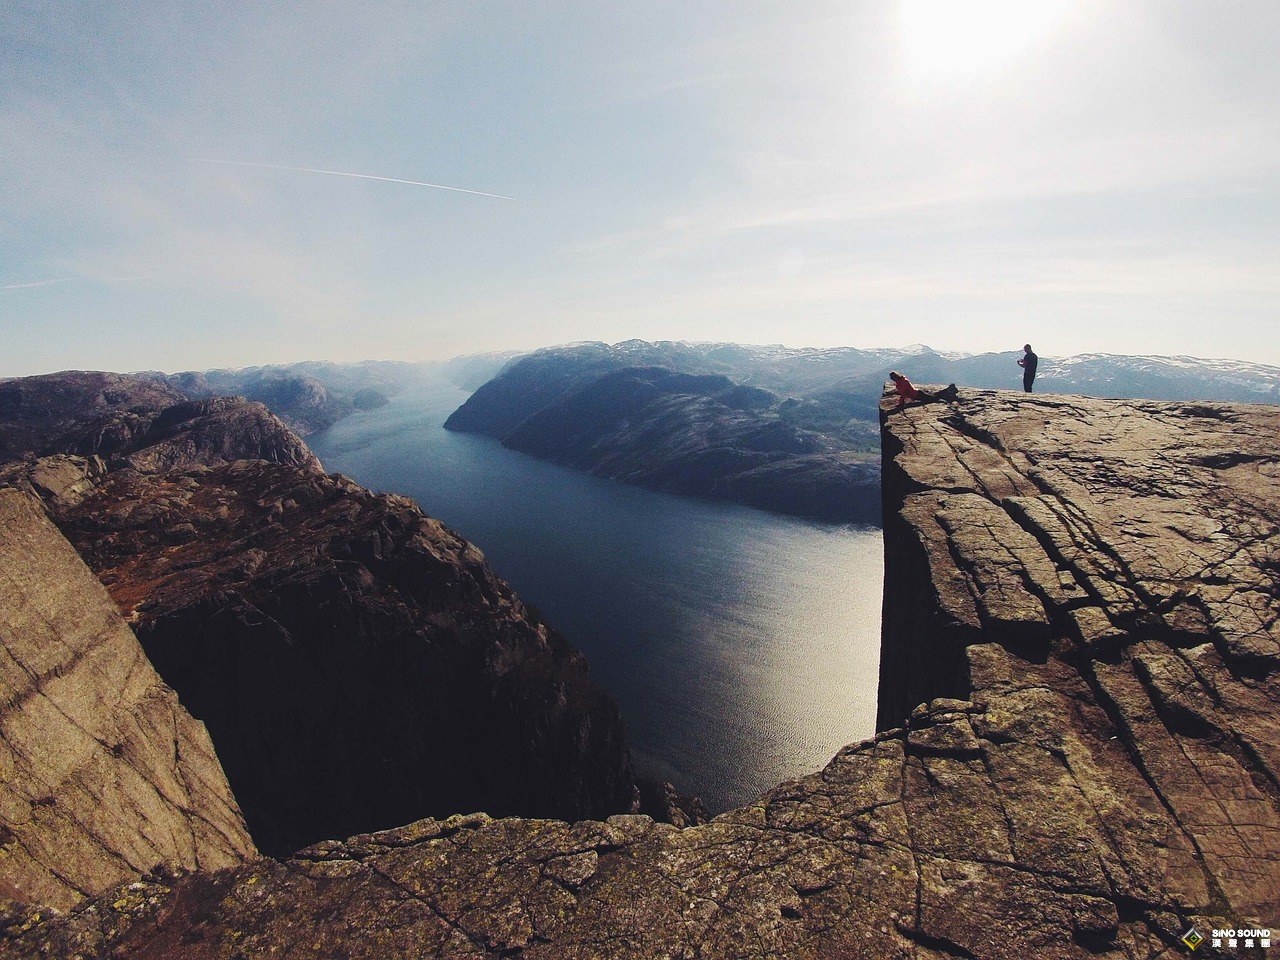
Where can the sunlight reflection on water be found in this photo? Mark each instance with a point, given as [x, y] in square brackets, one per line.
[742, 646]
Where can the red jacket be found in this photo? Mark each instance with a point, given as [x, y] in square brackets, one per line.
[905, 390]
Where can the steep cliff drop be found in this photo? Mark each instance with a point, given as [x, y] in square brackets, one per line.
[1085, 596]
[1098, 582]
[358, 666]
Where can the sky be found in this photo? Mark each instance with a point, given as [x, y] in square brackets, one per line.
[196, 185]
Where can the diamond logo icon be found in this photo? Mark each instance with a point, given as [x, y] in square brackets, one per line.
[1192, 938]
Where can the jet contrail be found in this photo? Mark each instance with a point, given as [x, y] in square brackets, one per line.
[46, 283]
[358, 176]
[37, 283]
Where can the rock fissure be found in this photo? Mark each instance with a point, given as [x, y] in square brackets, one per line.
[451, 923]
[917, 905]
[1258, 764]
[934, 943]
[1113, 855]
[1011, 829]
[1219, 902]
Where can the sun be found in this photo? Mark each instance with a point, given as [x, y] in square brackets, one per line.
[950, 39]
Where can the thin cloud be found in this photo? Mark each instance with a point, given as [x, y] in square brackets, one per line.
[344, 173]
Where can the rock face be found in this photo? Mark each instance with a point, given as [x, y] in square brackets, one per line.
[218, 430]
[1091, 767]
[77, 412]
[1101, 585]
[105, 777]
[356, 663]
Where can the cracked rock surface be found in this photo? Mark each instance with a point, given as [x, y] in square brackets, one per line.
[1116, 566]
[1080, 757]
[103, 775]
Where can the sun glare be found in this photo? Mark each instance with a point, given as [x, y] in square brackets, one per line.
[947, 39]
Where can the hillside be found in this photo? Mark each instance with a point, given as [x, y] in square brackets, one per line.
[307, 396]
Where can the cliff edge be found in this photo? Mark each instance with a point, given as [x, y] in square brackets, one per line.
[1099, 583]
[357, 664]
[1081, 641]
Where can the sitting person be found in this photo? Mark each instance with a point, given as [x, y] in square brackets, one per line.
[907, 391]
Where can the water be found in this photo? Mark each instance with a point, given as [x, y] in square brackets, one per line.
[741, 646]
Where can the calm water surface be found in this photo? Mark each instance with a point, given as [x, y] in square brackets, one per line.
[741, 646]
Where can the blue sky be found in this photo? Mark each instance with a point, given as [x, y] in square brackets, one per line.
[970, 174]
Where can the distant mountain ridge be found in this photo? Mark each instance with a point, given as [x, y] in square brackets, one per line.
[808, 442]
[1164, 378]
[306, 396]
[800, 370]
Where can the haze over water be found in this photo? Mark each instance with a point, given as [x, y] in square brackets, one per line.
[741, 646]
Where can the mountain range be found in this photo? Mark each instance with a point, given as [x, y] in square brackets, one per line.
[789, 430]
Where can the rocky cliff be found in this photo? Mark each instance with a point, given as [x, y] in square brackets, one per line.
[105, 776]
[136, 422]
[357, 665]
[1081, 639]
[76, 411]
[1098, 583]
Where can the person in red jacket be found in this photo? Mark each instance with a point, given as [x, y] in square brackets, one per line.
[906, 391]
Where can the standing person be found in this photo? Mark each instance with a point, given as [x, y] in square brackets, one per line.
[1028, 365]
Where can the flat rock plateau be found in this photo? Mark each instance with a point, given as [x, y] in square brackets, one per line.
[1079, 750]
